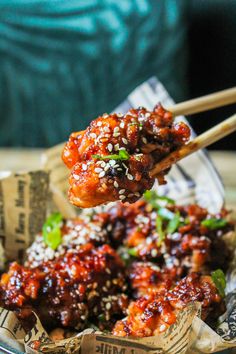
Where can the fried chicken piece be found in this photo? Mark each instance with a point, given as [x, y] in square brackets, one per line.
[112, 158]
[147, 278]
[189, 247]
[74, 233]
[153, 314]
[82, 285]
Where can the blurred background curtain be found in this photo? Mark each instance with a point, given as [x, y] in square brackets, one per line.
[64, 62]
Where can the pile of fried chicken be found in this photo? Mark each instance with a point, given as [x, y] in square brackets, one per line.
[129, 268]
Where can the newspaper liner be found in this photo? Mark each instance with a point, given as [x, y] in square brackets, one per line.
[26, 197]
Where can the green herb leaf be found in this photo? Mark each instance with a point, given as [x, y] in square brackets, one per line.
[132, 252]
[219, 280]
[153, 198]
[101, 317]
[122, 155]
[214, 223]
[174, 223]
[160, 231]
[52, 230]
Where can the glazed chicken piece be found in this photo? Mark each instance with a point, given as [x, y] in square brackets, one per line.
[112, 158]
[147, 278]
[84, 284]
[153, 314]
[187, 246]
[74, 233]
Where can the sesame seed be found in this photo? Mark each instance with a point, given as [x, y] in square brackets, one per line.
[119, 169]
[122, 191]
[116, 129]
[137, 194]
[144, 140]
[117, 146]
[76, 177]
[112, 162]
[84, 167]
[99, 124]
[125, 141]
[98, 169]
[93, 135]
[110, 147]
[116, 135]
[103, 163]
[122, 148]
[130, 177]
[106, 129]
[105, 115]
[147, 115]
[106, 168]
[101, 174]
[116, 165]
[130, 195]
[119, 115]
[154, 252]
[122, 197]
[122, 124]
[116, 184]
[108, 306]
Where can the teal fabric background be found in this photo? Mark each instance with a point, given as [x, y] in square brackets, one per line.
[64, 62]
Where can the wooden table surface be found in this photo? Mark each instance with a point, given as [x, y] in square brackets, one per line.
[225, 162]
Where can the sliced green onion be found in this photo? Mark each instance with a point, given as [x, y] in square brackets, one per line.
[214, 223]
[52, 230]
[122, 155]
[219, 280]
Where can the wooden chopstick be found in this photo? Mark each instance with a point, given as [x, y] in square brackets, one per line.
[204, 103]
[212, 135]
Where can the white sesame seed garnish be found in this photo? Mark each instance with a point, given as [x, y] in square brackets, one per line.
[98, 169]
[76, 177]
[125, 141]
[147, 115]
[116, 129]
[93, 135]
[110, 147]
[119, 169]
[116, 134]
[99, 124]
[117, 146]
[112, 162]
[106, 129]
[106, 168]
[101, 174]
[130, 195]
[137, 194]
[122, 191]
[103, 163]
[130, 177]
[122, 197]
[116, 185]
[154, 252]
[144, 140]
[84, 167]
[108, 306]
[116, 165]
[105, 115]
[122, 124]
[122, 148]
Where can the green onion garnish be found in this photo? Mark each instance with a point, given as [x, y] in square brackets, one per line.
[214, 223]
[219, 280]
[122, 155]
[52, 230]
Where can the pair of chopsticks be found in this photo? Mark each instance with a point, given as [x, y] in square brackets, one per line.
[219, 131]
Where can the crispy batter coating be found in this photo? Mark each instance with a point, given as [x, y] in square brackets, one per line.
[153, 314]
[192, 247]
[84, 284]
[145, 137]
